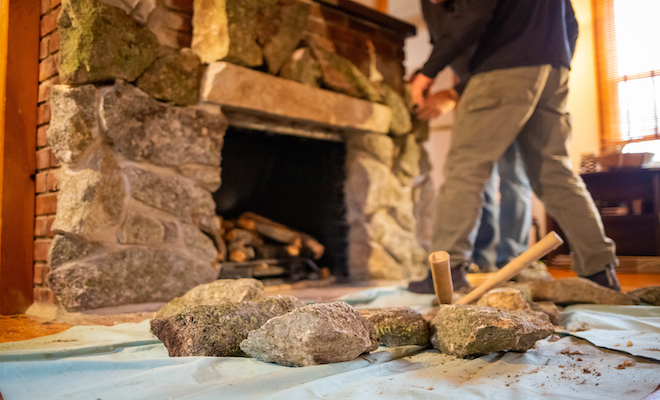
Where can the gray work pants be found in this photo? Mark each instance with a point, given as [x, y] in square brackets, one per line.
[526, 105]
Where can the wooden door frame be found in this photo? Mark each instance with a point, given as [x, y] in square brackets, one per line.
[19, 84]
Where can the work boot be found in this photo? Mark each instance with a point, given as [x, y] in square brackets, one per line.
[606, 278]
[458, 279]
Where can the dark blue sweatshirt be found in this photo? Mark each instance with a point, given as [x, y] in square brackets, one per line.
[507, 34]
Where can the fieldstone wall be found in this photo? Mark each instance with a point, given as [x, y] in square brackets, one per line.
[135, 215]
[381, 203]
[140, 156]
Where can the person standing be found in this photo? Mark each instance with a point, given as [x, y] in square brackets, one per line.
[516, 93]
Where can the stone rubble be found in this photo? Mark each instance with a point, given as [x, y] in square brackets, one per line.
[649, 294]
[316, 334]
[215, 293]
[463, 330]
[578, 290]
[218, 330]
[505, 299]
[398, 326]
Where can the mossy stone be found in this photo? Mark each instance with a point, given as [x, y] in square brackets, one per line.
[99, 42]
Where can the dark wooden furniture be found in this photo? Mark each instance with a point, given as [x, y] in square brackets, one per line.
[637, 233]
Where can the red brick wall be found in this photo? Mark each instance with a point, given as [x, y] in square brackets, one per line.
[349, 34]
[47, 166]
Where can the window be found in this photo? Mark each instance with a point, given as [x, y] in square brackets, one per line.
[628, 54]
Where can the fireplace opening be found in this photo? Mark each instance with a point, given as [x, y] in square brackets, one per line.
[294, 181]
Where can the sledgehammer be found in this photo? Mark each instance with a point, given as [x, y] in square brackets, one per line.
[442, 275]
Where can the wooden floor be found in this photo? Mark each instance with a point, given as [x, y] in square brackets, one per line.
[22, 327]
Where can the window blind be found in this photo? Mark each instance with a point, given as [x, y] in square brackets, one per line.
[627, 36]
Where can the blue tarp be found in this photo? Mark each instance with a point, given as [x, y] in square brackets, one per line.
[127, 362]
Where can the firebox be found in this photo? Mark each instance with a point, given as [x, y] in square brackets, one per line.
[298, 182]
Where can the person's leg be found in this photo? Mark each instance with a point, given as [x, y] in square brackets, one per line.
[564, 194]
[515, 207]
[490, 114]
[488, 230]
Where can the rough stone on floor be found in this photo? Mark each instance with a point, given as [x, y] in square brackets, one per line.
[535, 272]
[67, 248]
[173, 194]
[213, 294]
[133, 275]
[341, 75]
[210, 39]
[144, 129]
[505, 299]
[401, 122]
[302, 67]
[73, 121]
[398, 326]
[316, 334]
[217, 330]
[173, 77]
[472, 330]
[100, 43]
[548, 308]
[649, 294]
[90, 198]
[578, 290]
[280, 29]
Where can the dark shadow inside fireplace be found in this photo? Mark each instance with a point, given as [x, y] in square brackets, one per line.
[294, 181]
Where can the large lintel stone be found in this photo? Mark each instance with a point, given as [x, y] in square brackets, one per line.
[231, 85]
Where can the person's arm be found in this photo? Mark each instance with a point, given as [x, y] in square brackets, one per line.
[464, 27]
[571, 26]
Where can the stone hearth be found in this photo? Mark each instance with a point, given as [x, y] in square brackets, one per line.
[140, 136]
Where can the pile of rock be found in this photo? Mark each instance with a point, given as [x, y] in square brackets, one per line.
[232, 317]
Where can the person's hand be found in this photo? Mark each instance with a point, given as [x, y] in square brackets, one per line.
[420, 84]
[438, 104]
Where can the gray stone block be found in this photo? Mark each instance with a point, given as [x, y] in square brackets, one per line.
[320, 333]
[213, 294]
[173, 194]
[578, 290]
[230, 85]
[132, 275]
[200, 245]
[73, 121]
[141, 228]
[65, 248]
[92, 197]
[173, 77]
[144, 129]
[472, 330]
[398, 326]
[217, 330]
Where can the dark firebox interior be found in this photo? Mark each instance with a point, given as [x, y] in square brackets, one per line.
[294, 181]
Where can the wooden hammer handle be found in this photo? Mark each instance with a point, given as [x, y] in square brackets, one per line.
[550, 242]
[441, 272]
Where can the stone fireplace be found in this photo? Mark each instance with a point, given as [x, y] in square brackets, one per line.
[257, 111]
